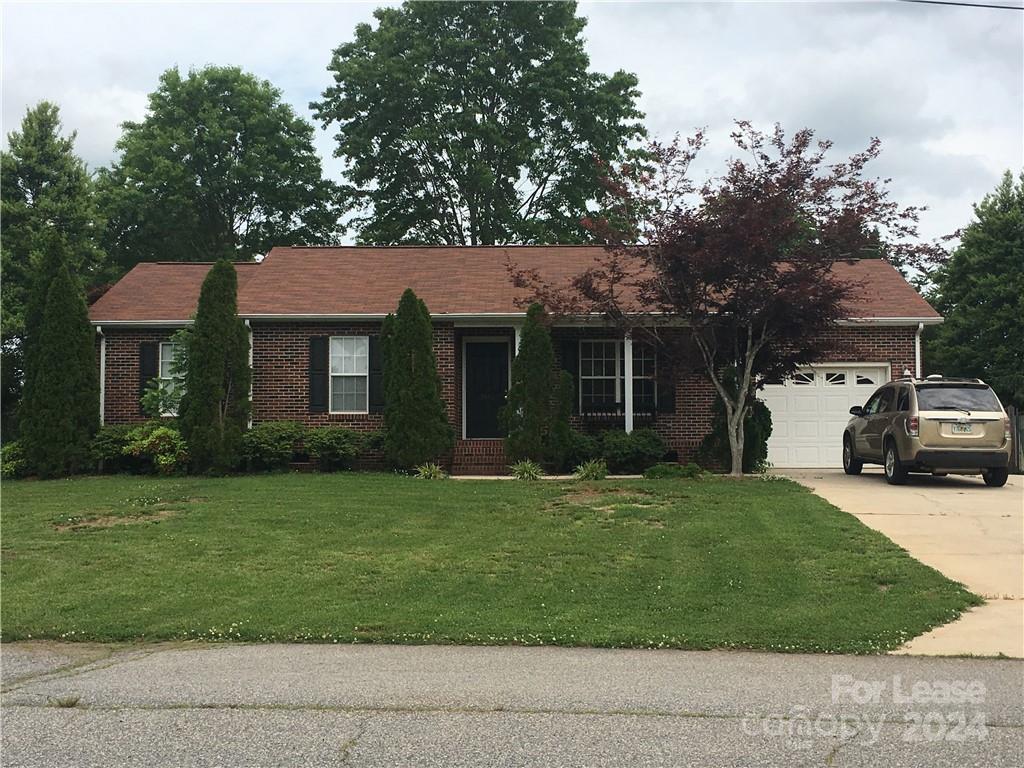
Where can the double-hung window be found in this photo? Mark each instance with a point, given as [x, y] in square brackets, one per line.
[602, 376]
[600, 388]
[350, 373]
[168, 378]
[645, 388]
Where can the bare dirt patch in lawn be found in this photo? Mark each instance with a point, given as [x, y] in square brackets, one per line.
[109, 521]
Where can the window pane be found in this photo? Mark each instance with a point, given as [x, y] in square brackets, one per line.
[349, 354]
[643, 394]
[167, 352]
[643, 360]
[348, 393]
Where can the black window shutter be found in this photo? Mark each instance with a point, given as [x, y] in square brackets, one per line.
[666, 391]
[319, 374]
[570, 350]
[149, 367]
[376, 390]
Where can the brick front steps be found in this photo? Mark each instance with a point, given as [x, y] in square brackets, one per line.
[479, 457]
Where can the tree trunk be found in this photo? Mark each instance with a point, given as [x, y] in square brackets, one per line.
[735, 428]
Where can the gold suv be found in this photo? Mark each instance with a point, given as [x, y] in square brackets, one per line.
[935, 425]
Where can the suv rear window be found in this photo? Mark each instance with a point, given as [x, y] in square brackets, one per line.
[956, 398]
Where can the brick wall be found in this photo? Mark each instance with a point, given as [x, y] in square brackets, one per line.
[684, 430]
[280, 382]
[281, 373]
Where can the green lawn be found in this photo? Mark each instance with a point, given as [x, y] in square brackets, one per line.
[373, 557]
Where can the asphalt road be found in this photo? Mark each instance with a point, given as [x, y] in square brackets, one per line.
[230, 705]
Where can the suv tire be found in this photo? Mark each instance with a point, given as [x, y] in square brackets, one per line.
[895, 473]
[996, 478]
[851, 464]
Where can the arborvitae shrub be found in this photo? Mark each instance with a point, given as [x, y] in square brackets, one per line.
[416, 429]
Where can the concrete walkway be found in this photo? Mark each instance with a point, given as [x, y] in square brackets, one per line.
[970, 532]
[362, 705]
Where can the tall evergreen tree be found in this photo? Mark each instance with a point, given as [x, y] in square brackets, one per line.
[980, 290]
[536, 415]
[416, 426]
[220, 165]
[61, 410]
[215, 406]
[49, 215]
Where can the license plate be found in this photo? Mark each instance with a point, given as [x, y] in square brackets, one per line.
[962, 429]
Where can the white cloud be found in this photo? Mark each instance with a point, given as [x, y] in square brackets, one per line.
[941, 86]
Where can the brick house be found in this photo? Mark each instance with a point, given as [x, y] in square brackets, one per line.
[314, 316]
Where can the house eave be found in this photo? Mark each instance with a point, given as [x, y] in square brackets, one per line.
[890, 321]
[473, 318]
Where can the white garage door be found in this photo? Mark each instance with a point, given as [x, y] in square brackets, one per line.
[810, 410]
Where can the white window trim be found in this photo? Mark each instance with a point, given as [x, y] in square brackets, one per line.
[331, 376]
[619, 371]
[160, 378]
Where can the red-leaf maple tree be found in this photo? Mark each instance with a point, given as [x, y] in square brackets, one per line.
[740, 267]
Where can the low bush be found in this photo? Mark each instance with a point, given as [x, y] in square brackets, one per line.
[159, 444]
[667, 471]
[595, 469]
[334, 447]
[527, 470]
[582, 447]
[109, 449]
[271, 444]
[430, 471]
[633, 452]
[374, 441]
[13, 463]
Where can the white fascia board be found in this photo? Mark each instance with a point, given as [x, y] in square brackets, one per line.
[141, 323]
[491, 318]
[855, 321]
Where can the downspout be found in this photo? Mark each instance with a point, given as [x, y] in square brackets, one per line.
[248, 325]
[917, 349]
[103, 374]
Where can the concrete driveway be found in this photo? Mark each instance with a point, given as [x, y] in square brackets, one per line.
[970, 532]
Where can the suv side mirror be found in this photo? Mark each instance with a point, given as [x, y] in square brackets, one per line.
[857, 410]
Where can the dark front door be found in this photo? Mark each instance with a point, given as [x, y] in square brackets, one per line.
[486, 385]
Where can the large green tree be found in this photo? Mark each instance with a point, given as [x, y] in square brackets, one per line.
[980, 291]
[49, 217]
[416, 428]
[215, 406]
[475, 123]
[536, 414]
[61, 408]
[219, 168]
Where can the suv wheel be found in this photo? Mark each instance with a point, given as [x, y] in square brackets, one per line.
[895, 474]
[996, 478]
[851, 464]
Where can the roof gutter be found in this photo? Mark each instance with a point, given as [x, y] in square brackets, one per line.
[142, 323]
[918, 321]
[490, 317]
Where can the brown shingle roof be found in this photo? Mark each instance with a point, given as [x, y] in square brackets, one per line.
[355, 280]
[155, 291]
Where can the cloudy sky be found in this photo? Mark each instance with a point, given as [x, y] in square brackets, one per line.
[941, 86]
